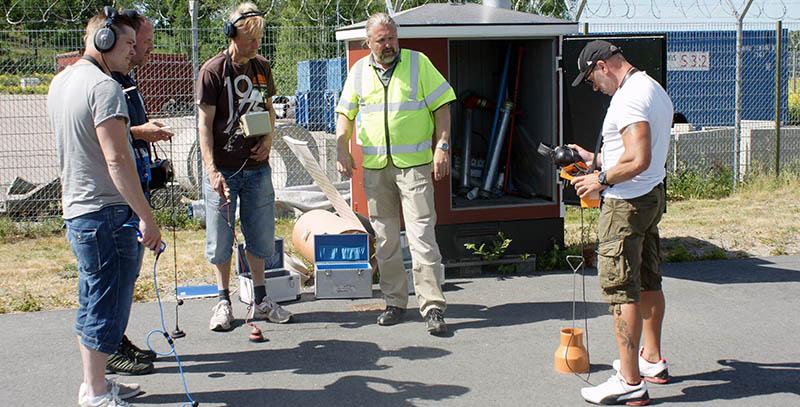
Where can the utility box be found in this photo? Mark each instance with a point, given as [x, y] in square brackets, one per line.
[341, 266]
[533, 59]
[282, 285]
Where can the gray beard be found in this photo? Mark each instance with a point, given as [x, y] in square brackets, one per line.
[382, 60]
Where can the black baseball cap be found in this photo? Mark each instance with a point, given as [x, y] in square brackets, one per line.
[597, 50]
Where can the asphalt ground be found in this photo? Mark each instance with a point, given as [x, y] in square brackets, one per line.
[731, 338]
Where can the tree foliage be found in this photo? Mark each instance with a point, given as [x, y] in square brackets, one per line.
[32, 32]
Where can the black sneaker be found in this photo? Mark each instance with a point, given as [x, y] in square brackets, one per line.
[391, 316]
[124, 364]
[127, 347]
[435, 321]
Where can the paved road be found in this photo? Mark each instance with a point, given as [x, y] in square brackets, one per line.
[731, 338]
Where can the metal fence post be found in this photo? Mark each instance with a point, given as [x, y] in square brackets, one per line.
[195, 73]
[737, 127]
[676, 142]
[737, 124]
[778, 61]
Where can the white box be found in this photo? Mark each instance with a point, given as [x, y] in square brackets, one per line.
[282, 285]
[341, 266]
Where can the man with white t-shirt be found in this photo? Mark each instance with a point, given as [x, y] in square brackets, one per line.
[632, 161]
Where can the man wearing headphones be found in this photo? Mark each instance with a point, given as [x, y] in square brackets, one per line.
[103, 204]
[235, 87]
[129, 358]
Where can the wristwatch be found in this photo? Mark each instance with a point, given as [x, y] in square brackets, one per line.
[601, 178]
[443, 145]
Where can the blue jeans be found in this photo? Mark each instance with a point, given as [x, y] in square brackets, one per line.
[252, 189]
[109, 258]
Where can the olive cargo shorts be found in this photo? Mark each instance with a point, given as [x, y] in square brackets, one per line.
[629, 251]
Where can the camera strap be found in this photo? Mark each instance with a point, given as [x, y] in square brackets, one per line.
[596, 151]
[93, 61]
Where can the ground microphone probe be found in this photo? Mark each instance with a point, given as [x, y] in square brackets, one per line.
[163, 330]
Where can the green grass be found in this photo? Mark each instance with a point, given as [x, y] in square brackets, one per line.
[11, 231]
[694, 184]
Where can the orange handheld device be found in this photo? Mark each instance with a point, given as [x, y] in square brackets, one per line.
[575, 170]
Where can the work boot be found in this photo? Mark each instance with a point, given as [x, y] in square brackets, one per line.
[617, 391]
[435, 322]
[126, 346]
[391, 315]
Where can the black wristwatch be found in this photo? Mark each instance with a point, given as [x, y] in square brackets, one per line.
[601, 178]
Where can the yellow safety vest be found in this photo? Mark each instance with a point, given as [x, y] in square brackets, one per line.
[397, 119]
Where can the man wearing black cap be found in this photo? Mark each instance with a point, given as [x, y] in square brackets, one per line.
[632, 169]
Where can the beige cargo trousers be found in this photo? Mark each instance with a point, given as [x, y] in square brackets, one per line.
[387, 190]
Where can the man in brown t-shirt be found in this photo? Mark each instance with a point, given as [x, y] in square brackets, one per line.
[236, 83]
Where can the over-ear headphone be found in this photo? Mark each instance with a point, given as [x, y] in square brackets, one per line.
[105, 38]
[230, 26]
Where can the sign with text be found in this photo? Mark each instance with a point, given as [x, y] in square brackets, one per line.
[688, 61]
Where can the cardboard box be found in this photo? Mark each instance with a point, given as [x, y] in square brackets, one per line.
[341, 266]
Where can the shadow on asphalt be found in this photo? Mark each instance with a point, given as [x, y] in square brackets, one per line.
[308, 358]
[347, 391]
[739, 271]
[737, 380]
[519, 313]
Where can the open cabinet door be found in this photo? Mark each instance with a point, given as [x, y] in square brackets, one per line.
[583, 109]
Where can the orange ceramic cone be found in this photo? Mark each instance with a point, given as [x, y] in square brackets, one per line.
[571, 356]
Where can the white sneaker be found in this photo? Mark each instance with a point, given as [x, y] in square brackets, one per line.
[123, 390]
[616, 391]
[109, 399]
[222, 317]
[268, 309]
[657, 373]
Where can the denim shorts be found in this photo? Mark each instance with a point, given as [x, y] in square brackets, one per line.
[109, 258]
[251, 190]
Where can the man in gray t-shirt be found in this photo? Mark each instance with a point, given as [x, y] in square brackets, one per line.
[104, 206]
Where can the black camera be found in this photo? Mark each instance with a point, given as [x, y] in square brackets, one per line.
[161, 172]
[562, 156]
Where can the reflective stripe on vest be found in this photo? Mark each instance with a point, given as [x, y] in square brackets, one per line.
[395, 149]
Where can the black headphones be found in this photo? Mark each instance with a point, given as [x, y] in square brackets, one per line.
[105, 38]
[230, 26]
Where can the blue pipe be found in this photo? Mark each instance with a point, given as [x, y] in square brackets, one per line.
[501, 96]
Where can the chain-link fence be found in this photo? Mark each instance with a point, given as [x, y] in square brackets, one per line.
[702, 82]
[306, 67]
[309, 68]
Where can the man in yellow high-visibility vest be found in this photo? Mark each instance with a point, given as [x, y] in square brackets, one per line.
[399, 103]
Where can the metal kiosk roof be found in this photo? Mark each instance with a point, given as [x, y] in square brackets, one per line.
[464, 21]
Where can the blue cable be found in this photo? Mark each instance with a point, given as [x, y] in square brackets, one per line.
[163, 330]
